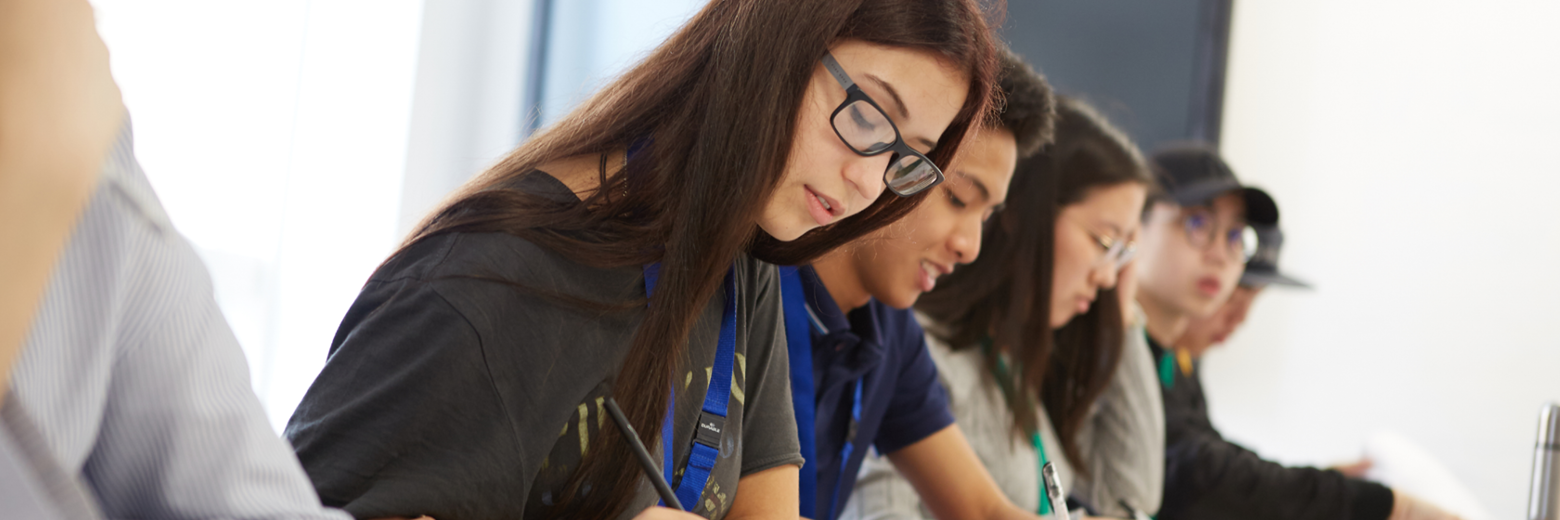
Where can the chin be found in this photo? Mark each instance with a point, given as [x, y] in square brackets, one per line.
[1059, 321]
[901, 301]
[783, 232]
[1203, 307]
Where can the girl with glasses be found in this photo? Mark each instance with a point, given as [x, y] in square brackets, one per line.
[627, 252]
[1029, 335]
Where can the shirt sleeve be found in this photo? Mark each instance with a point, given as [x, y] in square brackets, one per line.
[769, 422]
[182, 433]
[881, 493]
[404, 419]
[1124, 440]
[36, 486]
[1210, 477]
[919, 407]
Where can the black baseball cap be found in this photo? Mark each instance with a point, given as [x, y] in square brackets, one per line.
[1193, 174]
[1262, 268]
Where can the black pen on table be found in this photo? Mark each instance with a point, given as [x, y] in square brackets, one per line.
[645, 462]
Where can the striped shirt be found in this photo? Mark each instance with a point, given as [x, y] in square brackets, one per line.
[134, 380]
[1122, 442]
[982, 414]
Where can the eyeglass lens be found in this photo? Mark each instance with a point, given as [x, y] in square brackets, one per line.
[864, 128]
[868, 131]
[1117, 252]
[910, 173]
[1200, 231]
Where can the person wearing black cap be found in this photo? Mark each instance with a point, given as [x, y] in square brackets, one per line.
[1197, 235]
[1261, 271]
[1195, 238]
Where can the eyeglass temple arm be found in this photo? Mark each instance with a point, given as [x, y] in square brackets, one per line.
[837, 71]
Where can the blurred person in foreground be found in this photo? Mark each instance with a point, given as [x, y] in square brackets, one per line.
[1196, 240]
[129, 396]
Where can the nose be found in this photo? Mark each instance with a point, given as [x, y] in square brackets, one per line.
[1104, 275]
[866, 175]
[1217, 254]
[965, 242]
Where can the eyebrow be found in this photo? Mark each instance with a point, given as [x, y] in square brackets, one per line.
[985, 193]
[901, 108]
[899, 103]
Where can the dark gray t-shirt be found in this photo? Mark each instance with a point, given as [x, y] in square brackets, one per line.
[453, 393]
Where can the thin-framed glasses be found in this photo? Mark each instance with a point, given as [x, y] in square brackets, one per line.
[866, 129]
[1114, 252]
[1240, 243]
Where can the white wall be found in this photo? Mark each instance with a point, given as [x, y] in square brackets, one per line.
[1412, 149]
[466, 112]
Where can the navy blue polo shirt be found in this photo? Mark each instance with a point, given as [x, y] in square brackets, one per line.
[901, 400]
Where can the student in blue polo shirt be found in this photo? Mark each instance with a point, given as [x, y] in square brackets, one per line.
[861, 376]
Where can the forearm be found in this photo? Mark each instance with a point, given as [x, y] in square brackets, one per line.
[951, 480]
[770, 494]
[1007, 511]
[1207, 475]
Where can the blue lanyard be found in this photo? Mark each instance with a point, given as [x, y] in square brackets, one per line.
[712, 419]
[798, 334]
[848, 449]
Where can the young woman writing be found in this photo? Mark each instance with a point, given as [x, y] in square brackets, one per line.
[622, 252]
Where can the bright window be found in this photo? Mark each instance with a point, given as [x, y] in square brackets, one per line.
[275, 133]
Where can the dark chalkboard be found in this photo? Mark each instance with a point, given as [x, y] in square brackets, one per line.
[1154, 67]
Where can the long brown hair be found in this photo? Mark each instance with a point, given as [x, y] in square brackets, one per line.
[717, 103]
[1005, 295]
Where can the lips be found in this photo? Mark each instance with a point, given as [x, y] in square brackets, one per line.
[823, 208]
[930, 271]
[1084, 303]
[1209, 286]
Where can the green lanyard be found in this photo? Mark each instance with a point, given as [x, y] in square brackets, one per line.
[1006, 382]
[1045, 505]
[1167, 369]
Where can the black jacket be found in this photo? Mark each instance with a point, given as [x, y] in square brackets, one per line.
[1210, 478]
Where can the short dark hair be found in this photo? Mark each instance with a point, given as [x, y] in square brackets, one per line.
[1028, 105]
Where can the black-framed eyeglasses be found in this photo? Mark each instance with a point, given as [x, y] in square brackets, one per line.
[1240, 242]
[866, 129]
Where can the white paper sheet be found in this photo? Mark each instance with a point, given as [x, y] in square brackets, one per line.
[1403, 465]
